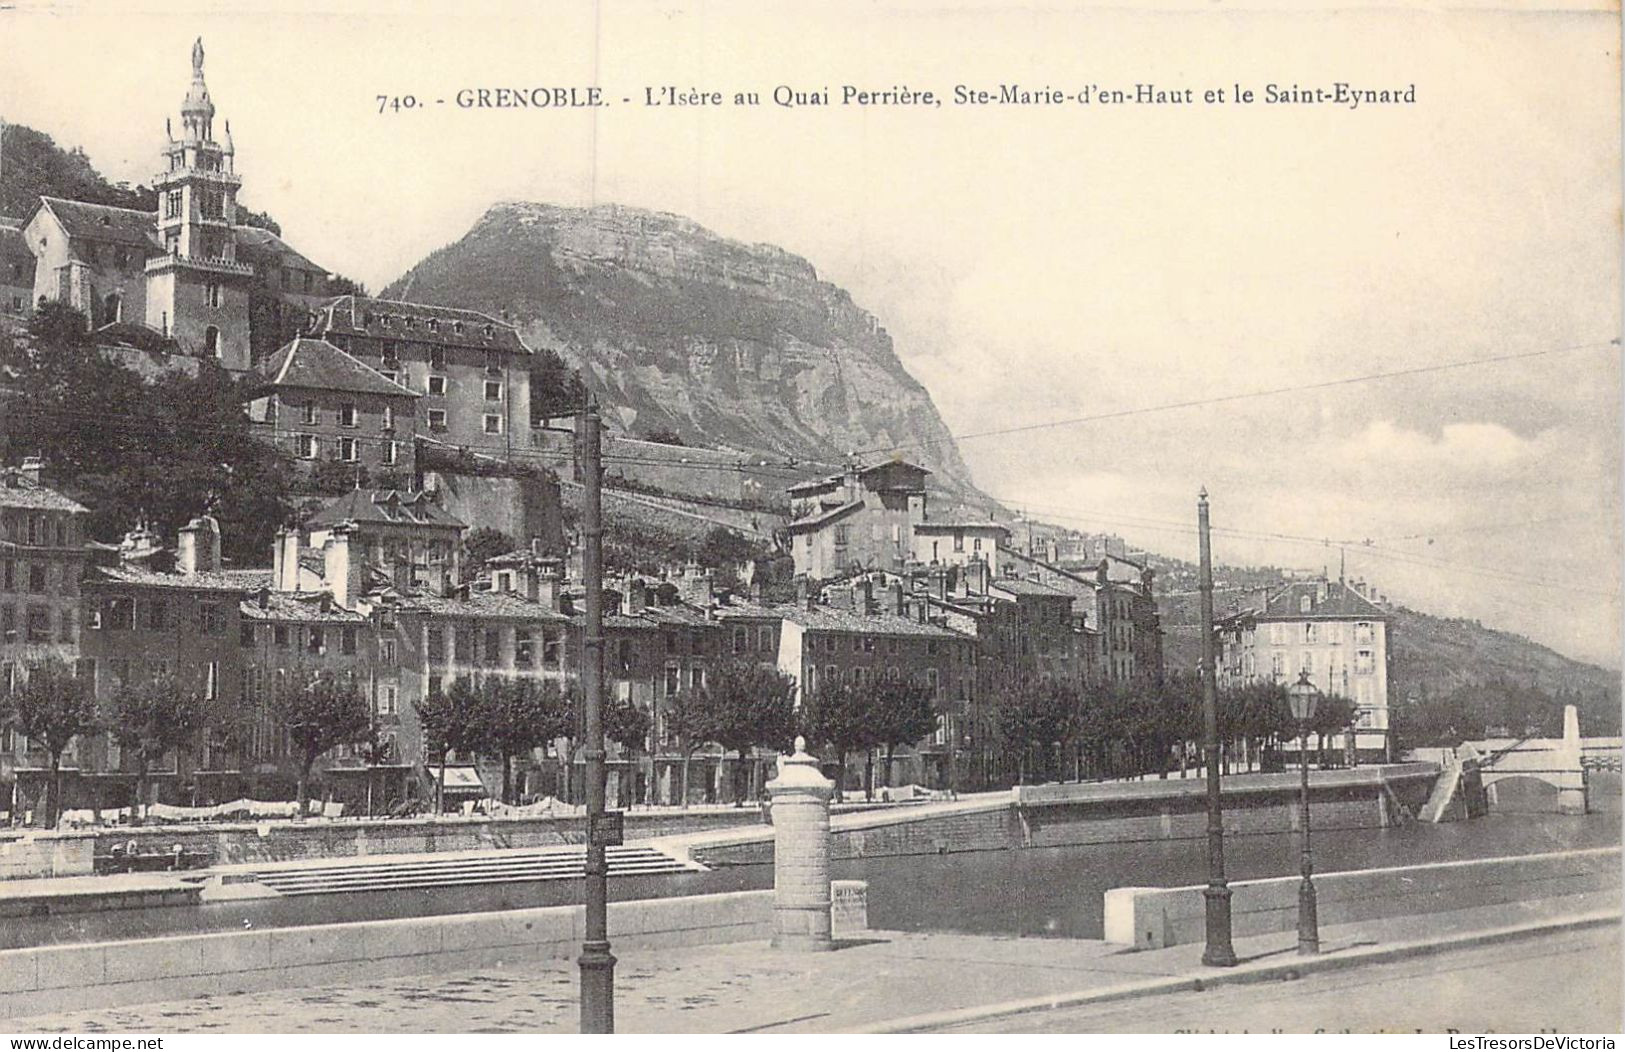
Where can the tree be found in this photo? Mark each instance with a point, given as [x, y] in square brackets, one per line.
[555, 388]
[748, 704]
[903, 712]
[319, 714]
[445, 719]
[150, 718]
[1033, 716]
[842, 717]
[484, 544]
[627, 724]
[510, 718]
[685, 718]
[51, 706]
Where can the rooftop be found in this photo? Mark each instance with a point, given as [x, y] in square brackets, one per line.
[495, 605]
[298, 606]
[105, 222]
[19, 491]
[203, 580]
[385, 507]
[824, 518]
[418, 322]
[253, 241]
[834, 619]
[1339, 601]
[316, 364]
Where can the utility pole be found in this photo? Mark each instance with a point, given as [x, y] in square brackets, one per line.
[596, 962]
[1219, 951]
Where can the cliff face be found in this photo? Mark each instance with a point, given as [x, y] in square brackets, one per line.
[676, 328]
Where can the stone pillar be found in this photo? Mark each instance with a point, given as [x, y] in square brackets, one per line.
[1571, 786]
[801, 892]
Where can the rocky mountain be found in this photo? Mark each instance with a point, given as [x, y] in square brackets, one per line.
[678, 329]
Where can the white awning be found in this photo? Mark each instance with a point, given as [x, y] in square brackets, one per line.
[461, 778]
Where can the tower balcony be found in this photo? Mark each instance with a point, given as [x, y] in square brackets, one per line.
[171, 176]
[211, 264]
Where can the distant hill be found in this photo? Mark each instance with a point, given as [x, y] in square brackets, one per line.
[679, 330]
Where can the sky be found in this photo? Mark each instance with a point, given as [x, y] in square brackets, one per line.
[1035, 264]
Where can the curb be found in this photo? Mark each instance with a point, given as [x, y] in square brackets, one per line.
[1256, 972]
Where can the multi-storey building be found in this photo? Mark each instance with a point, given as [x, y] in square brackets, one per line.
[472, 370]
[189, 272]
[1114, 610]
[955, 543]
[320, 405]
[405, 537]
[1325, 629]
[863, 519]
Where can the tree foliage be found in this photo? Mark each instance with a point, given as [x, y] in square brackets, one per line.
[321, 713]
[161, 450]
[151, 717]
[484, 544]
[555, 388]
[52, 706]
[745, 704]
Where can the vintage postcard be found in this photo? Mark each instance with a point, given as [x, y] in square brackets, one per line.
[885, 516]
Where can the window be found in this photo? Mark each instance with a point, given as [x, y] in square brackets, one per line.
[307, 413]
[1362, 632]
[524, 653]
[493, 646]
[211, 681]
[36, 578]
[739, 640]
[387, 700]
[172, 205]
[386, 653]
[493, 390]
[211, 294]
[1306, 603]
[245, 634]
[1365, 662]
[389, 418]
[316, 642]
[493, 424]
[307, 447]
[279, 635]
[10, 576]
[959, 541]
[211, 619]
[39, 624]
[462, 645]
[437, 644]
[674, 681]
[120, 613]
[347, 640]
[437, 358]
[434, 324]
[868, 644]
[437, 420]
[309, 281]
[211, 342]
[552, 651]
[389, 452]
[347, 415]
[493, 359]
[1277, 664]
[832, 675]
[1306, 662]
[856, 675]
[932, 682]
[347, 450]
[1310, 634]
[456, 326]
[764, 637]
[157, 615]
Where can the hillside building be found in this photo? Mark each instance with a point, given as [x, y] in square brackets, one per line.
[16, 270]
[860, 520]
[189, 272]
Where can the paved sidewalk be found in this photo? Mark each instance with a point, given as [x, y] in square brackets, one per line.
[866, 984]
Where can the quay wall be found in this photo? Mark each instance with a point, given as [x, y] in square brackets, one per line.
[1152, 918]
[230, 843]
[1105, 813]
[99, 975]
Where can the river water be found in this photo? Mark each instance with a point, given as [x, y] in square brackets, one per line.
[1037, 892]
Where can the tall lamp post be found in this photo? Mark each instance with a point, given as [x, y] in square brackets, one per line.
[1219, 951]
[1302, 697]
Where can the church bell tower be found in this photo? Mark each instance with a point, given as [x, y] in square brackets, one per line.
[197, 291]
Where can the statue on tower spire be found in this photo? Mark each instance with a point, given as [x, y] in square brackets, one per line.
[197, 57]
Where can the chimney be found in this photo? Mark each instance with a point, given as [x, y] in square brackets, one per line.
[637, 597]
[976, 577]
[285, 577]
[938, 579]
[546, 577]
[537, 548]
[899, 605]
[341, 569]
[401, 577]
[863, 600]
[32, 469]
[264, 597]
[448, 585]
[186, 548]
[758, 588]
[1103, 572]
[1147, 577]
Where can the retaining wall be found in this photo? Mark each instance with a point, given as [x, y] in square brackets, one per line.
[47, 855]
[1149, 918]
[57, 978]
[1106, 813]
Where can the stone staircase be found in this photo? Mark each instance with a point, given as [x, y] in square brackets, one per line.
[426, 871]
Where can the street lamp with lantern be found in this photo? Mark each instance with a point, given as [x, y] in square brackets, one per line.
[1302, 697]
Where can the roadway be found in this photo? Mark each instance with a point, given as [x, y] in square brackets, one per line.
[1565, 983]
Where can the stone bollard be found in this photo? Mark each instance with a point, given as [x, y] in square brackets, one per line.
[801, 895]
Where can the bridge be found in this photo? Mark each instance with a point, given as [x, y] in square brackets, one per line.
[1466, 786]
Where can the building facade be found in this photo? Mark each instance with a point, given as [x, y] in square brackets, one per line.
[861, 520]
